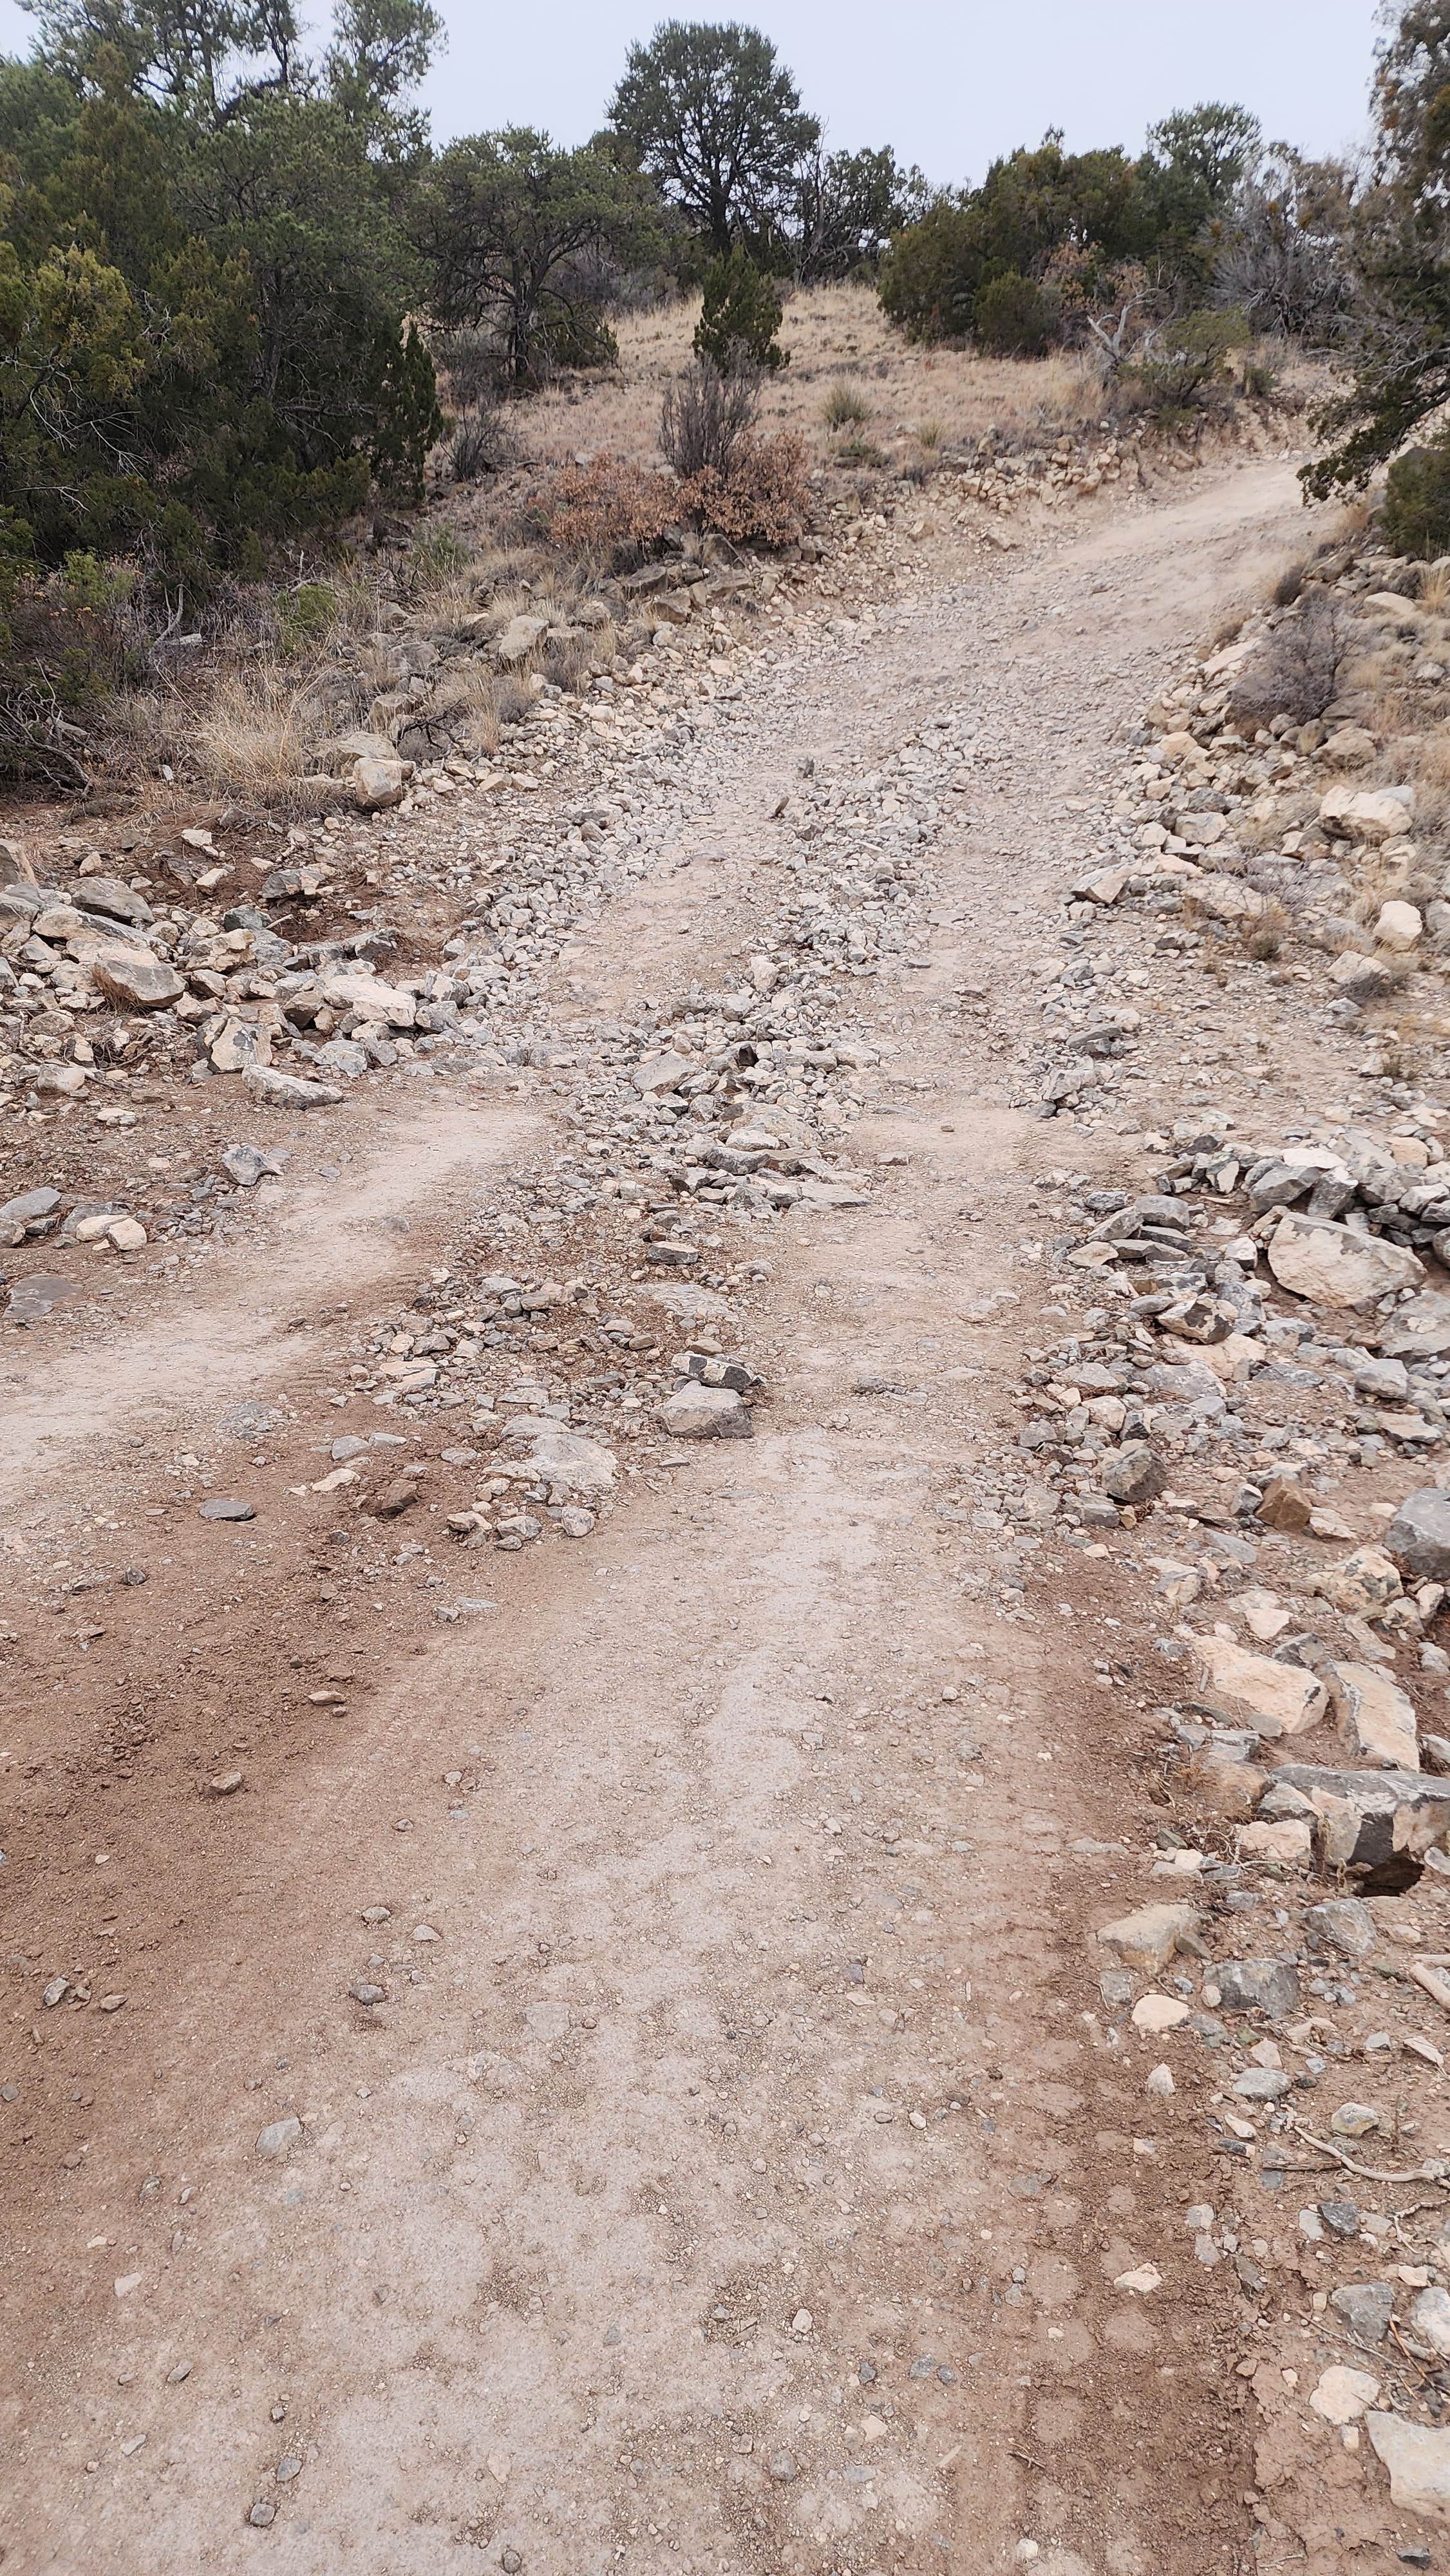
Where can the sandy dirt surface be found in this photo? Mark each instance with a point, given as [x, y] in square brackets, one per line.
[732, 2174]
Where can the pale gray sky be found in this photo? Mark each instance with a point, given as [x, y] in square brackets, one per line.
[948, 82]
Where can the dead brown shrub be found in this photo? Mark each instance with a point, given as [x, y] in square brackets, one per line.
[764, 498]
[1295, 673]
[607, 510]
[704, 417]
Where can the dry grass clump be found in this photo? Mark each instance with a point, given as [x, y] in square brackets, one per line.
[1429, 756]
[252, 737]
[1265, 937]
[473, 693]
[845, 405]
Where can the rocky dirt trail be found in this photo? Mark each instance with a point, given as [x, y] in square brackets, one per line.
[595, 2060]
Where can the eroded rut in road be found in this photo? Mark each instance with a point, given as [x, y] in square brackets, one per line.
[730, 2173]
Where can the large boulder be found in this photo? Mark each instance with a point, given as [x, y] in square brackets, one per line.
[377, 1004]
[706, 1413]
[345, 750]
[1149, 1938]
[1334, 1266]
[1367, 1817]
[1417, 2457]
[135, 979]
[1269, 1986]
[289, 1090]
[240, 1043]
[1133, 1475]
[565, 1460]
[377, 784]
[1379, 1715]
[1227, 899]
[116, 901]
[1274, 1699]
[1399, 927]
[1371, 814]
[1362, 1583]
[1420, 1329]
[1418, 1538]
[518, 640]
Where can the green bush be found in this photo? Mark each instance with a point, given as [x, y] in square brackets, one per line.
[203, 351]
[305, 615]
[1015, 317]
[931, 275]
[741, 316]
[439, 553]
[1187, 373]
[89, 583]
[1417, 500]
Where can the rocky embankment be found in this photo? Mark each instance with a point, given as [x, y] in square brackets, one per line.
[1240, 1398]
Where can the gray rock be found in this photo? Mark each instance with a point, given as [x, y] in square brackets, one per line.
[1384, 1381]
[117, 901]
[706, 1413]
[708, 1371]
[245, 1165]
[344, 1056]
[378, 783]
[37, 1295]
[1347, 1924]
[1341, 2217]
[29, 1206]
[1417, 2457]
[782, 2466]
[1418, 1538]
[1262, 2084]
[135, 979]
[1366, 1817]
[220, 1507]
[1269, 1986]
[1134, 1475]
[278, 2137]
[262, 2516]
[518, 640]
[1366, 2307]
[1420, 1329]
[289, 1090]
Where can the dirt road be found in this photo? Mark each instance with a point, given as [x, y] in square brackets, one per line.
[731, 2174]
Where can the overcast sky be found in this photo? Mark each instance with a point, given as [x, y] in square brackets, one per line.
[948, 82]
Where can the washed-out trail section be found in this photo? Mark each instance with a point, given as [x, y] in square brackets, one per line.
[611, 2076]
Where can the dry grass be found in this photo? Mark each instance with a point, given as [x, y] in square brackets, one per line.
[253, 736]
[472, 691]
[1430, 753]
[845, 405]
[830, 333]
[1265, 937]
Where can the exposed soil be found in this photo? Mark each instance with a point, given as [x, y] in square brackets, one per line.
[735, 2173]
